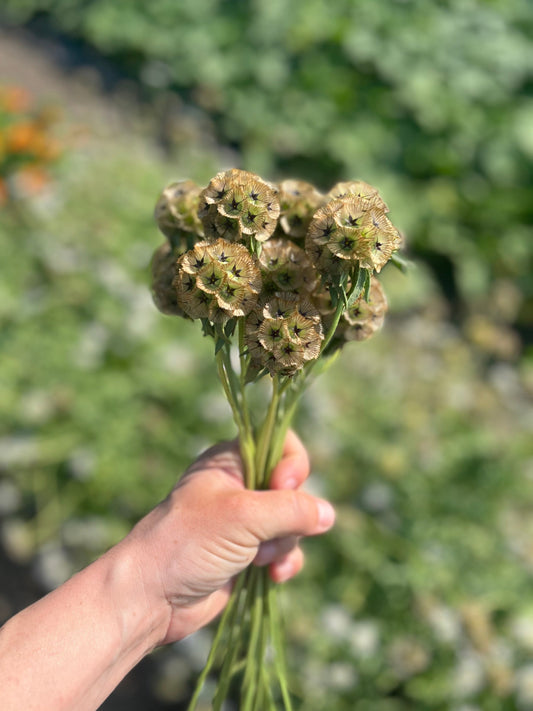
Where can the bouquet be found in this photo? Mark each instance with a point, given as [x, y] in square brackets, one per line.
[280, 277]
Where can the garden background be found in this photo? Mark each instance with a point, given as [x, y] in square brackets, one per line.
[422, 595]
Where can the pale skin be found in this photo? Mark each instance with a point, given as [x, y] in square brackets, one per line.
[171, 575]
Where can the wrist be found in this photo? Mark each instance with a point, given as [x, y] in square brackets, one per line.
[142, 619]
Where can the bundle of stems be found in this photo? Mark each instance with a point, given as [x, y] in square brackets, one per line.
[249, 640]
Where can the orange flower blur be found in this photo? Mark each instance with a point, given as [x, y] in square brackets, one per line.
[28, 147]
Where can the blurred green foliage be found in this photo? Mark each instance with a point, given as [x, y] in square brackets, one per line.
[95, 388]
[431, 101]
[421, 596]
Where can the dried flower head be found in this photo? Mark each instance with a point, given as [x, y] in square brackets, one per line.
[237, 204]
[350, 231]
[368, 195]
[217, 280]
[337, 234]
[163, 271]
[286, 267]
[176, 210]
[298, 201]
[384, 238]
[364, 317]
[283, 334]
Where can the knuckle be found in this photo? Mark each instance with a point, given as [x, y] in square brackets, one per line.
[302, 513]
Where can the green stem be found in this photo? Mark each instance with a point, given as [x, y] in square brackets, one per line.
[292, 393]
[223, 377]
[254, 659]
[232, 376]
[247, 447]
[336, 318]
[278, 644]
[265, 436]
[247, 441]
[234, 642]
[340, 308]
[224, 621]
[245, 359]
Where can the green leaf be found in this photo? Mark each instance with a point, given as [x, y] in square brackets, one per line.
[207, 327]
[335, 295]
[229, 327]
[404, 265]
[366, 287]
[362, 278]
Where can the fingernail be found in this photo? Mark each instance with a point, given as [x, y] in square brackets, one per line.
[326, 514]
[291, 483]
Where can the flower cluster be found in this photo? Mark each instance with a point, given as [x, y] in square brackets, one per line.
[296, 265]
[283, 334]
[27, 146]
[237, 204]
[217, 281]
[351, 228]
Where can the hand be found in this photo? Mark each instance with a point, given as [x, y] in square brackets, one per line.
[191, 546]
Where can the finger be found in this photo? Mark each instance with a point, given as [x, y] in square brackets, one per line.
[276, 514]
[224, 456]
[273, 550]
[190, 619]
[287, 567]
[293, 468]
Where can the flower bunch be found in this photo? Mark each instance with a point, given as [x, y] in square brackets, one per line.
[27, 146]
[281, 277]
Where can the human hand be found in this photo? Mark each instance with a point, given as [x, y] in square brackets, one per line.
[192, 545]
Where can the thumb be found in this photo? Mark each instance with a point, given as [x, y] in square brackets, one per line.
[275, 514]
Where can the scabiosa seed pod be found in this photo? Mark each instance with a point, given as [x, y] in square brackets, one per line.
[283, 334]
[237, 204]
[217, 280]
[365, 316]
[336, 235]
[176, 211]
[163, 271]
[286, 267]
[384, 240]
[350, 231]
[368, 195]
[298, 201]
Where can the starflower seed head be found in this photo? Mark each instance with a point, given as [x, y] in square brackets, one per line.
[384, 239]
[237, 204]
[240, 268]
[368, 195]
[364, 317]
[217, 280]
[350, 231]
[176, 211]
[194, 302]
[339, 228]
[195, 259]
[298, 201]
[286, 267]
[284, 334]
[163, 271]
[330, 267]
